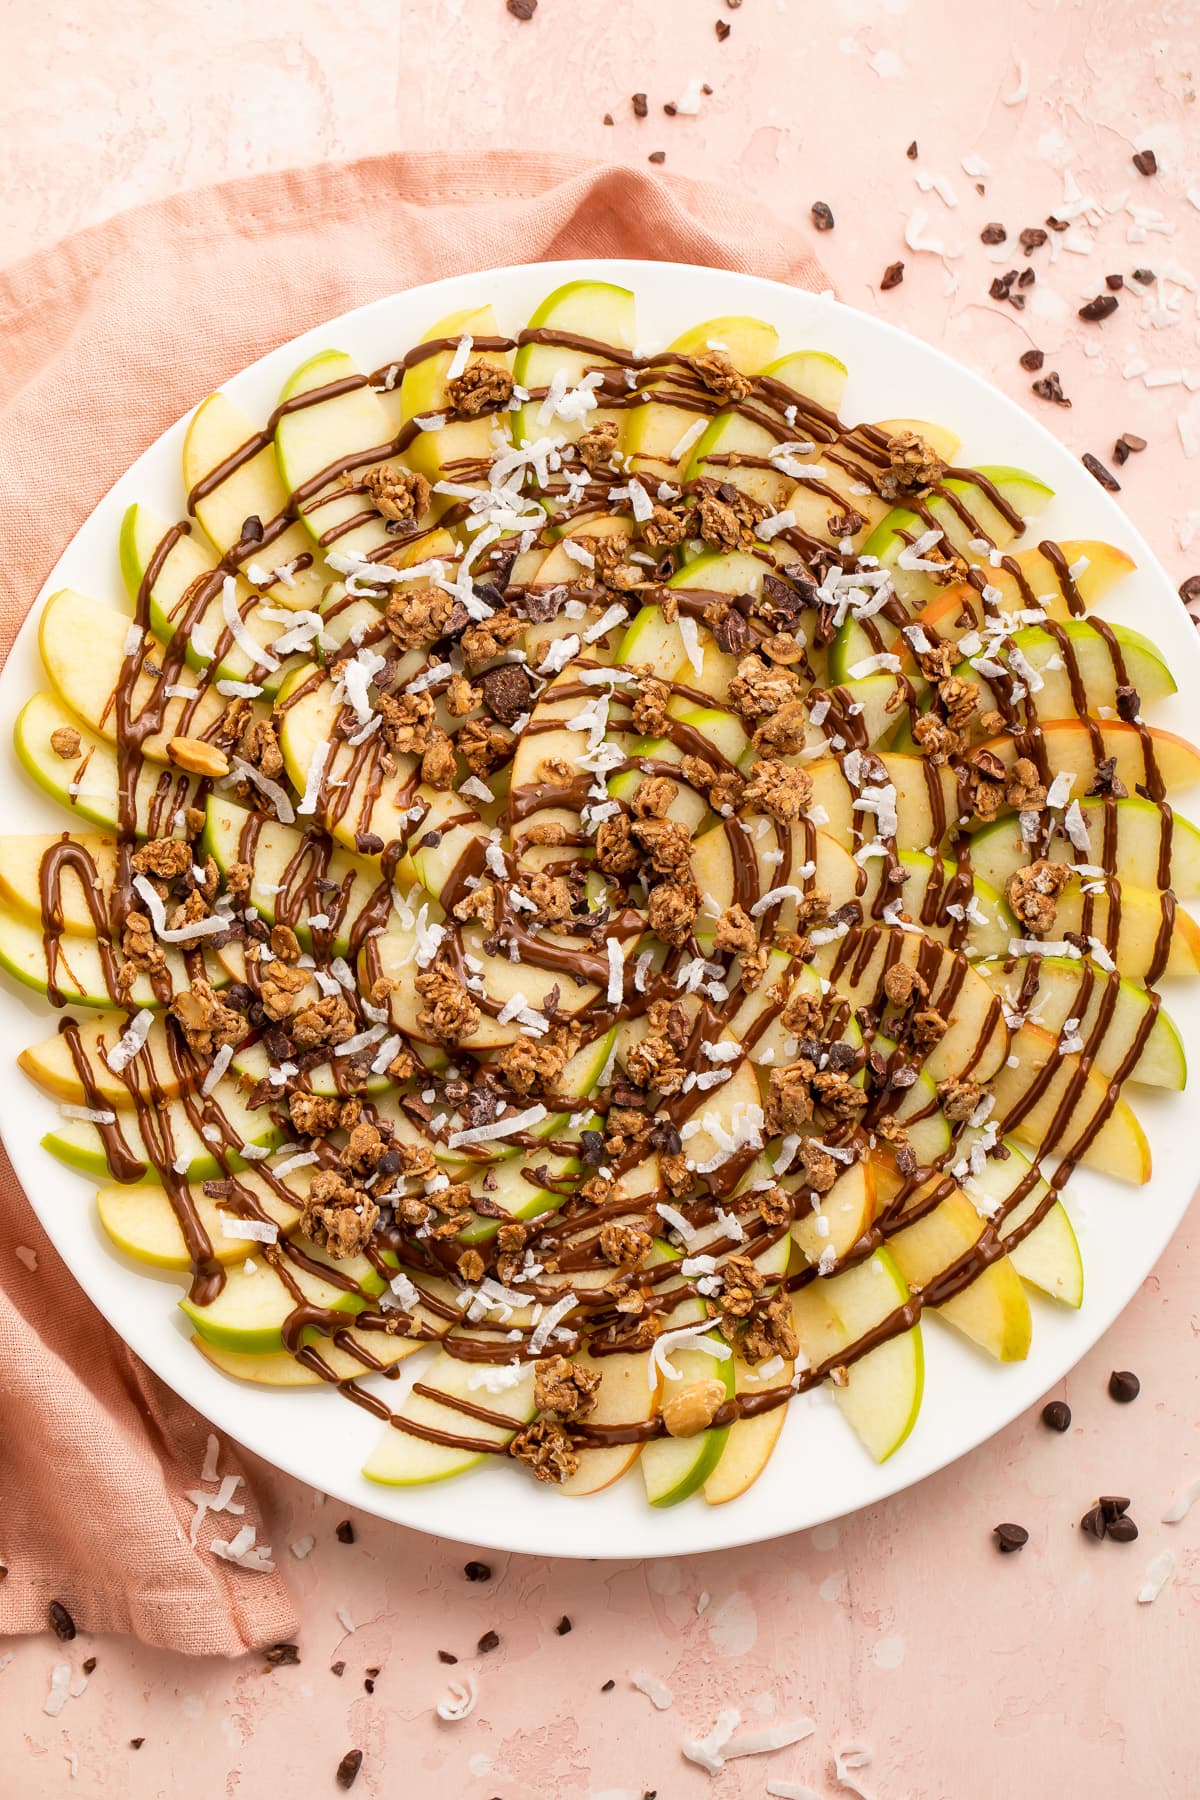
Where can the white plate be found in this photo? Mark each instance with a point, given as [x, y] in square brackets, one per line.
[819, 1471]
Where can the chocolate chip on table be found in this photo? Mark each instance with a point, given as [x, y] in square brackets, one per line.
[1010, 1537]
[1122, 1530]
[993, 233]
[1093, 1523]
[893, 275]
[1189, 590]
[607, 1687]
[641, 106]
[345, 1532]
[911, 152]
[478, 1571]
[1033, 359]
[657, 156]
[608, 119]
[1124, 1386]
[670, 109]
[1145, 162]
[563, 1626]
[1050, 388]
[822, 215]
[1113, 1506]
[1057, 1415]
[1102, 307]
[351, 1763]
[136, 1743]
[1032, 238]
[522, 9]
[62, 1622]
[489, 1641]
[1104, 476]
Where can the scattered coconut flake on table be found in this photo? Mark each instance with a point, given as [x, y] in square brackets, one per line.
[657, 1692]
[459, 1700]
[708, 1751]
[243, 1551]
[767, 1739]
[1182, 1504]
[1157, 1576]
[212, 1452]
[791, 1790]
[5, 1660]
[845, 1761]
[60, 1685]
[344, 1619]
[302, 1547]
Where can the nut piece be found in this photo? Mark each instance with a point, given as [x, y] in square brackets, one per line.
[64, 741]
[198, 757]
[694, 1408]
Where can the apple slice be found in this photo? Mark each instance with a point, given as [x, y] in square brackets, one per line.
[882, 1396]
[1029, 578]
[1053, 989]
[1055, 1102]
[248, 488]
[628, 1395]
[993, 1311]
[276, 1369]
[423, 394]
[834, 872]
[326, 435]
[21, 857]
[1048, 1256]
[80, 1145]
[81, 975]
[51, 1065]
[674, 1467]
[976, 1038]
[92, 774]
[926, 801]
[403, 1459]
[1131, 838]
[751, 1441]
[655, 429]
[732, 436]
[372, 802]
[140, 1220]
[1144, 755]
[842, 1218]
[1143, 930]
[967, 914]
[288, 861]
[1075, 659]
[249, 1313]
[589, 309]
[82, 646]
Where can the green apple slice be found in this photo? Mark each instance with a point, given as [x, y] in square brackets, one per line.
[249, 1313]
[1048, 1258]
[217, 432]
[655, 429]
[926, 801]
[811, 374]
[1141, 753]
[80, 976]
[92, 774]
[981, 924]
[423, 395]
[882, 1396]
[402, 1459]
[993, 1311]
[374, 802]
[628, 1395]
[276, 1369]
[287, 859]
[1117, 1146]
[141, 1222]
[1102, 661]
[51, 1065]
[591, 309]
[79, 1144]
[1126, 838]
[673, 1468]
[1058, 988]
[82, 646]
[324, 443]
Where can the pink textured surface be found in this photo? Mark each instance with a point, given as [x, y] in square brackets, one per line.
[966, 1674]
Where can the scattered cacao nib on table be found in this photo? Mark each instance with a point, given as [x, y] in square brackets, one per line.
[1126, 445]
[351, 1763]
[62, 1622]
[1050, 387]
[822, 215]
[477, 1571]
[893, 275]
[1104, 476]
[1102, 307]
[1145, 162]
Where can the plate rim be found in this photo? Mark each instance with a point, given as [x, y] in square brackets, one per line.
[516, 1524]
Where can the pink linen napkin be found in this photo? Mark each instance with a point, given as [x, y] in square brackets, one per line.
[108, 339]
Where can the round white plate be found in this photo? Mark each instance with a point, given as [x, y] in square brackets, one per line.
[819, 1470]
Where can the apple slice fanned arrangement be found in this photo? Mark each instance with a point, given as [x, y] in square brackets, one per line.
[586, 867]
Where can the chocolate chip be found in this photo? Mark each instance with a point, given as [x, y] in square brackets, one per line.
[280, 1654]
[506, 691]
[351, 1763]
[1113, 1506]
[1010, 1537]
[1104, 476]
[89, 1665]
[723, 30]
[1145, 162]
[911, 152]
[478, 1571]
[337, 1668]
[1050, 388]
[1189, 590]
[657, 156]
[1102, 307]
[447, 1656]
[641, 106]
[993, 233]
[369, 1685]
[893, 275]
[822, 216]
[1057, 1415]
[345, 1532]
[252, 529]
[1032, 238]
[563, 1626]
[136, 1743]
[1123, 1386]
[1093, 1523]
[489, 1641]
[1129, 703]
[1122, 1531]
[1033, 359]
[61, 1620]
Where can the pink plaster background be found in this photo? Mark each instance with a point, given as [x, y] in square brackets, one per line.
[970, 1676]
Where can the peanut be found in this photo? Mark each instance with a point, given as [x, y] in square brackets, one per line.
[693, 1409]
[198, 757]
